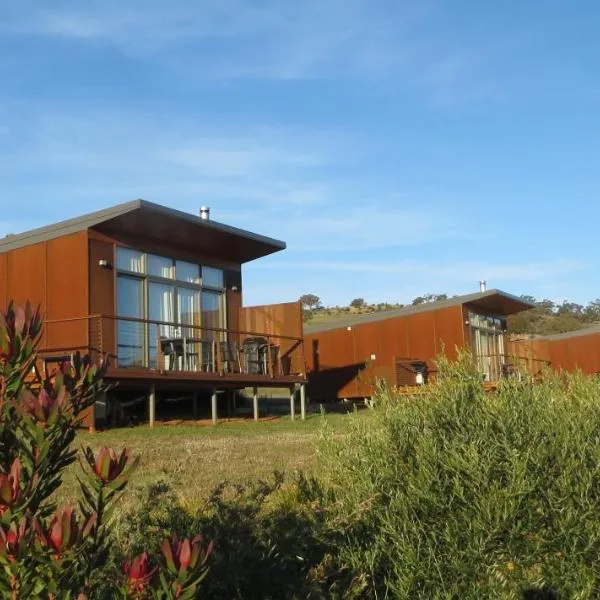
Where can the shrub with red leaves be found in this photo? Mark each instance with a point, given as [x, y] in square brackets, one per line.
[52, 554]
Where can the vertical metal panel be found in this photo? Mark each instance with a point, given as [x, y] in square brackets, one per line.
[577, 352]
[102, 293]
[67, 291]
[26, 277]
[450, 331]
[3, 282]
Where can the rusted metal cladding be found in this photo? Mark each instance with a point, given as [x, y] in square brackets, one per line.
[346, 362]
[580, 352]
[3, 282]
[102, 297]
[67, 292]
[531, 354]
[52, 275]
[278, 320]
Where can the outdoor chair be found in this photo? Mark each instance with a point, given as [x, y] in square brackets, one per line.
[230, 356]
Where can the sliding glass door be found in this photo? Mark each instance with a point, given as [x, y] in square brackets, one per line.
[182, 304]
[161, 307]
[131, 334]
[487, 338]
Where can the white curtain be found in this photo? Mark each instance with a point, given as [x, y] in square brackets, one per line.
[130, 260]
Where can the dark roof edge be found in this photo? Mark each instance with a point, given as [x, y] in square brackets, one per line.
[257, 237]
[76, 224]
[592, 330]
[409, 310]
[66, 227]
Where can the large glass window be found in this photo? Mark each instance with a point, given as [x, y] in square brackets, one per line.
[187, 272]
[158, 266]
[212, 314]
[212, 277]
[180, 313]
[130, 332]
[130, 260]
[487, 340]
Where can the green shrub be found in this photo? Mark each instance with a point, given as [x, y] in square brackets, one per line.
[53, 554]
[459, 493]
[266, 536]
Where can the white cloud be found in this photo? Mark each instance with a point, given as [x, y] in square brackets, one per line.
[233, 39]
[459, 272]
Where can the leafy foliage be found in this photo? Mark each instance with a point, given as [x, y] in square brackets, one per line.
[547, 317]
[459, 493]
[268, 535]
[53, 553]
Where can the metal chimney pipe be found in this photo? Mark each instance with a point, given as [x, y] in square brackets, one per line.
[205, 212]
[482, 286]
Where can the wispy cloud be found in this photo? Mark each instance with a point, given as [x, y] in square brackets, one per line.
[237, 39]
[459, 272]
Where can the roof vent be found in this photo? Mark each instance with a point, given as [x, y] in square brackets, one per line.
[482, 286]
[205, 212]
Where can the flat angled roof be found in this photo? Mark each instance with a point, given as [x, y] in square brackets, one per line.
[492, 301]
[155, 221]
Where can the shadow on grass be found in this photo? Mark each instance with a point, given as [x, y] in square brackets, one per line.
[544, 593]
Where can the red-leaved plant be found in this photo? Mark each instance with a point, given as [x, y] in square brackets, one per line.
[53, 553]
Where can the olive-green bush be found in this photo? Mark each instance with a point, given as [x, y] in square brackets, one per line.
[462, 493]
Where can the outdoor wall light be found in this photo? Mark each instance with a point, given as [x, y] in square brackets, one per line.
[349, 328]
[373, 356]
[234, 288]
[103, 263]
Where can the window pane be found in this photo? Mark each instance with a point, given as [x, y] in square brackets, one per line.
[130, 298]
[158, 266]
[130, 260]
[188, 272]
[188, 304]
[130, 334]
[212, 314]
[160, 308]
[212, 277]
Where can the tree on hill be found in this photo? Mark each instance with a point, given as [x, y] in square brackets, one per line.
[546, 317]
[310, 301]
[358, 303]
[429, 298]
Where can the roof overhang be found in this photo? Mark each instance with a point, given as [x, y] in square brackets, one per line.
[498, 303]
[152, 222]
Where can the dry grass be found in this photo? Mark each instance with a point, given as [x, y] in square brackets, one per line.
[194, 457]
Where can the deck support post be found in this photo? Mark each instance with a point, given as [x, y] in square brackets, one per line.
[152, 405]
[293, 402]
[302, 401]
[255, 402]
[213, 406]
[195, 405]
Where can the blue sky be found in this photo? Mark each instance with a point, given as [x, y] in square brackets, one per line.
[400, 148]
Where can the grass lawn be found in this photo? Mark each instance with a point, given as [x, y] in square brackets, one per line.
[194, 457]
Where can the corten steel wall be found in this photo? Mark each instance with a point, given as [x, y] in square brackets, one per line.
[579, 352]
[3, 282]
[53, 275]
[532, 354]
[571, 353]
[278, 319]
[340, 363]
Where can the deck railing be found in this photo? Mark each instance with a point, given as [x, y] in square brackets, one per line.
[167, 346]
[495, 367]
